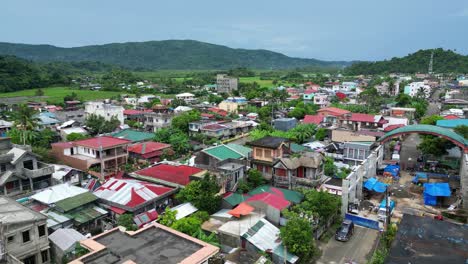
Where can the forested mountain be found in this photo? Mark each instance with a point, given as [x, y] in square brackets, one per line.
[444, 61]
[20, 74]
[167, 54]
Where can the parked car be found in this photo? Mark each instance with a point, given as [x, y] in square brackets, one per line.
[345, 231]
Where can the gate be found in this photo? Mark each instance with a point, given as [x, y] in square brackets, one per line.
[362, 221]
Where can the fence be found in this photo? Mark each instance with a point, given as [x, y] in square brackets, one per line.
[362, 221]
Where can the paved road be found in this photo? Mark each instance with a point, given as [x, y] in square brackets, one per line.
[358, 249]
[409, 152]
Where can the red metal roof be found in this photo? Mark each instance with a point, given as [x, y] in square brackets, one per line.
[274, 200]
[218, 111]
[117, 210]
[310, 91]
[147, 147]
[171, 173]
[358, 117]
[130, 193]
[334, 111]
[393, 127]
[312, 119]
[104, 142]
[451, 117]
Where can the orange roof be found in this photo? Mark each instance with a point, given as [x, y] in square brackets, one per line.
[241, 209]
[334, 111]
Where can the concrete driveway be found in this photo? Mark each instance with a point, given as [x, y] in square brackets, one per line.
[357, 249]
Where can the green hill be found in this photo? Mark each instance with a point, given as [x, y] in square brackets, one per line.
[444, 61]
[167, 54]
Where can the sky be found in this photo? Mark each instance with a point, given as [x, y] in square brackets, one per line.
[326, 29]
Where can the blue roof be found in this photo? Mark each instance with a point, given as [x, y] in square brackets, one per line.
[452, 123]
[373, 184]
[437, 189]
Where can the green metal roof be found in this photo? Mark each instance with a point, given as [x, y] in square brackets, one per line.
[236, 198]
[291, 196]
[76, 201]
[243, 150]
[298, 148]
[222, 152]
[428, 129]
[133, 135]
[86, 215]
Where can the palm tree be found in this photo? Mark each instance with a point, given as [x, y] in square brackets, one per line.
[26, 121]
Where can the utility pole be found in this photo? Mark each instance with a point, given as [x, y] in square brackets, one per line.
[387, 211]
[431, 62]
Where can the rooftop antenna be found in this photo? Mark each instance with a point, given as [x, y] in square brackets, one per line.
[431, 63]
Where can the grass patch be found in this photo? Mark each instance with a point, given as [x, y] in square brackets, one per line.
[55, 95]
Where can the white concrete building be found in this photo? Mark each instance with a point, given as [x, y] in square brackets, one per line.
[105, 110]
[321, 99]
[413, 88]
[225, 83]
[187, 97]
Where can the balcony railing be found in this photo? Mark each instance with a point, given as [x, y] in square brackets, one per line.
[295, 181]
[44, 169]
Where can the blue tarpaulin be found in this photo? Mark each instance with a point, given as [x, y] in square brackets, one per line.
[372, 184]
[419, 175]
[393, 169]
[437, 189]
[434, 190]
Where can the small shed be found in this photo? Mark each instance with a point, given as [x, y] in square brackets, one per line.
[63, 242]
[434, 190]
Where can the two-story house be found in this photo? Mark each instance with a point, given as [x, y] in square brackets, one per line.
[100, 156]
[358, 121]
[331, 114]
[25, 233]
[354, 153]
[266, 152]
[106, 110]
[160, 117]
[20, 171]
[303, 171]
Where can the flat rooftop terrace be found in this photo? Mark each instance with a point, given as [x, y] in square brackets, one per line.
[153, 244]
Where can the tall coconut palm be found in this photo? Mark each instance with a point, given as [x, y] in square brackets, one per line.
[26, 121]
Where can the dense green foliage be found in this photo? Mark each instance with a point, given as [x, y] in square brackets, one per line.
[167, 54]
[181, 122]
[384, 246]
[300, 134]
[462, 131]
[19, 74]
[126, 220]
[179, 140]
[254, 180]
[76, 136]
[297, 236]
[444, 61]
[203, 194]
[98, 125]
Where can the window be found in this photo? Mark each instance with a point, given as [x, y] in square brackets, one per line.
[30, 260]
[26, 237]
[267, 153]
[258, 152]
[41, 230]
[45, 256]
[11, 239]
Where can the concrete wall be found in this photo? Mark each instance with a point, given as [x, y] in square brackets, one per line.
[352, 185]
[464, 179]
